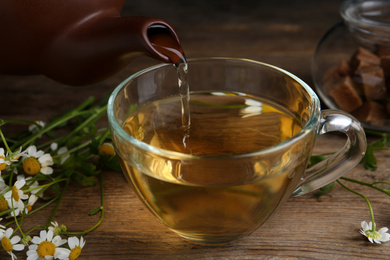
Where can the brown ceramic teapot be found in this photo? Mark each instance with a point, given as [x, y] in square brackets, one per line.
[78, 42]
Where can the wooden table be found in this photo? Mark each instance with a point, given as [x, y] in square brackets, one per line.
[282, 32]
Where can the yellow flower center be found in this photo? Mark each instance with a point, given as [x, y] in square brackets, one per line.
[46, 248]
[6, 244]
[2, 165]
[31, 166]
[74, 253]
[3, 204]
[106, 149]
[15, 193]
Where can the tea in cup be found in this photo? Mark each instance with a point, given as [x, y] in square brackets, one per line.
[243, 153]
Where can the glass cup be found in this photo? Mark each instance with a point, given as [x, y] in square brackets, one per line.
[217, 198]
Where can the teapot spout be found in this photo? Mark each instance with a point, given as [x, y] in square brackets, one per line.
[96, 49]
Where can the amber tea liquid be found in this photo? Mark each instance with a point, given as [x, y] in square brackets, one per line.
[207, 199]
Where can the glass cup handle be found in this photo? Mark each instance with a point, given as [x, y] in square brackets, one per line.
[343, 160]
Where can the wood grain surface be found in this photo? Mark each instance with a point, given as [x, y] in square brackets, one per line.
[281, 32]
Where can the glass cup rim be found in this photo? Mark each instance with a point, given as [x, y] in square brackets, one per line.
[308, 127]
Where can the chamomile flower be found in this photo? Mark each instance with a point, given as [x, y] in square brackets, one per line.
[33, 186]
[15, 196]
[57, 229]
[107, 149]
[35, 162]
[75, 245]
[374, 236]
[9, 244]
[46, 247]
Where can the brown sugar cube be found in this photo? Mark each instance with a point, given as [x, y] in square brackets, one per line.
[344, 94]
[373, 81]
[341, 69]
[364, 58]
[371, 112]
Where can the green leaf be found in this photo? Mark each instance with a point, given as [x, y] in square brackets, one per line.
[86, 181]
[95, 211]
[94, 146]
[56, 187]
[314, 159]
[324, 190]
[110, 162]
[369, 160]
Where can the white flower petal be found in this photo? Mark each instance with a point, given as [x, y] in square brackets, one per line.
[385, 237]
[36, 240]
[33, 255]
[50, 235]
[19, 184]
[62, 150]
[15, 212]
[383, 230]
[39, 154]
[72, 242]
[43, 235]
[18, 247]
[8, 194]
[82, 242]
[9, 232]
[46, 159]
[54, 146]
[47, 170]
[33, 246]
[15, 240]
[62, 253]
[364, 226]
[31, 150]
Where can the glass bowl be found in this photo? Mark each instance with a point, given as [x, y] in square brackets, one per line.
[351, 65]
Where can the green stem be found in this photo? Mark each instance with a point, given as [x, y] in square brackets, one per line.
[371, 185]
[49, 127]
[74, 113]
[104, 136]
[16, 219]
[36, 210]
[98, 113]
[5, 142]
[58, 204]
[45, 185]
[364, 197]
[101, 216]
